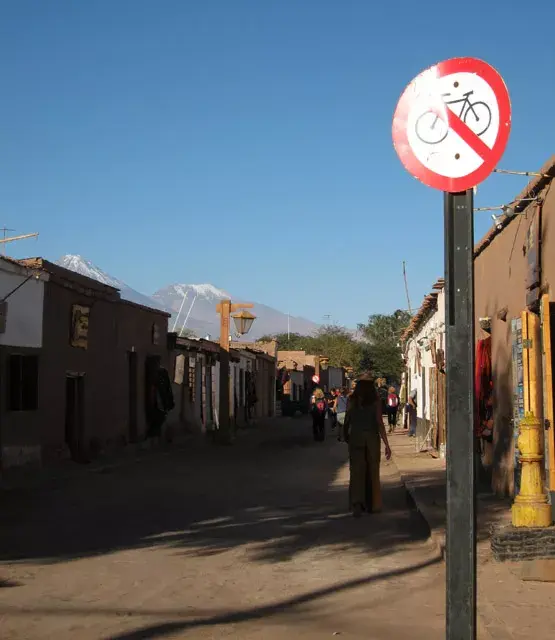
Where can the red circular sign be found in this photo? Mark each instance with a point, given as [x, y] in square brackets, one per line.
[431, 126]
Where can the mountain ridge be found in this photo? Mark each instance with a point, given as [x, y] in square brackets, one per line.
[193, 304]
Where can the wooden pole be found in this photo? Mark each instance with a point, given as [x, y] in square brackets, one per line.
[224, 308]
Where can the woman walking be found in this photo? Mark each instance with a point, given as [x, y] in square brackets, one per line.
[392, 408]
[363, 429]
[318, 409]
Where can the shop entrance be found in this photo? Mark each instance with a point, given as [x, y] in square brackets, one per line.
[547, 315]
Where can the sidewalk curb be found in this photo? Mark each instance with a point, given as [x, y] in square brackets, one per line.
[437, 537]
[437, 534]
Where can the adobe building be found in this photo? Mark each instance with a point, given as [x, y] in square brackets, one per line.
[89, 386]
[514, 297]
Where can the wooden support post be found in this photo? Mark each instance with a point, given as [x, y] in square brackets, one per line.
[225, 434]
[225, 308]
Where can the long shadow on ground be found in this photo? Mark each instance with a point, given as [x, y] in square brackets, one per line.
[275, 490]
[173, 621]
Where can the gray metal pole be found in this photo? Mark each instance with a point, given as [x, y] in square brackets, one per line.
[461, 483]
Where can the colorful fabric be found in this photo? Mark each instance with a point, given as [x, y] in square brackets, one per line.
[483, 388]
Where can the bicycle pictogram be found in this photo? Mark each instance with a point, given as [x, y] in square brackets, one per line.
[431, 129]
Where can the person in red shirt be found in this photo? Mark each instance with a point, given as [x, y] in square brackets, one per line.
[392, 408]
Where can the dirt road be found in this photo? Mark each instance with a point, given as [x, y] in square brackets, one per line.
[247, 541]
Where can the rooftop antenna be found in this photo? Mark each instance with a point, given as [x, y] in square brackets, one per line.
[7, 239]
[406, 286]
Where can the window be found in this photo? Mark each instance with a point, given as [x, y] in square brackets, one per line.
[23, 383]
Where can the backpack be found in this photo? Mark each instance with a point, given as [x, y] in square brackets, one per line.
[321, 405]
[392, 400]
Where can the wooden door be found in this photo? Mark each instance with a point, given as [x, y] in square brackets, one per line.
[547, 317]
[132, 377]
[531, 362]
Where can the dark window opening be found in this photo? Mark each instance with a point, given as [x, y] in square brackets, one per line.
[23, 383]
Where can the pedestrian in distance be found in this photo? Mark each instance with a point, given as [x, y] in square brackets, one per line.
[392, 408]
[364, 427]
[341, 403]
[411, 411]
[318, 410]
[330, 414]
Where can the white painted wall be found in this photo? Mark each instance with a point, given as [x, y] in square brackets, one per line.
[433, 328]
[25, 306]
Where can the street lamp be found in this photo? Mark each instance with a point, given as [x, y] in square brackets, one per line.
[243, 321]
[324, 363]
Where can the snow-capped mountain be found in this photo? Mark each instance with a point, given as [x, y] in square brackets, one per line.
[87, 268]
[197, 303]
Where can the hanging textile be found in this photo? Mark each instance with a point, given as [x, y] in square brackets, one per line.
[483, 387]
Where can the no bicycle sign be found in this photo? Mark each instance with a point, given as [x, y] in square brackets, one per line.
[452, 123]
[450, 130]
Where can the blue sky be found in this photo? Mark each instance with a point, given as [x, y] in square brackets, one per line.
[247, 143]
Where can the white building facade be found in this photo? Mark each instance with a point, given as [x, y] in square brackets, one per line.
[424, 351]
[21, 335]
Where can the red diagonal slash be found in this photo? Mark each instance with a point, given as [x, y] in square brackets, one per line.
[464, 131]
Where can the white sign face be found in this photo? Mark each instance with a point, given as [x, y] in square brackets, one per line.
[452, 123]
[434, 143]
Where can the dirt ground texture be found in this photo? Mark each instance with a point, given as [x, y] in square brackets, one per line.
[246, 541]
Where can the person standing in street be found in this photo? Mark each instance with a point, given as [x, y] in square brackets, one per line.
[318, 409]
[392, 408]
[341, 402]
[411, 411]
[364, 427]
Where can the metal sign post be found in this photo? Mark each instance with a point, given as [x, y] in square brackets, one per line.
[450, 129]
[461, 482]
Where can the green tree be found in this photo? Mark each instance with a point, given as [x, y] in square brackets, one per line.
[291, 341]
[382, 351]
[339, 345]
[332, 341]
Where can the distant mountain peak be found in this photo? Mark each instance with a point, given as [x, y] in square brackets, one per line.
[208, 291]
[84, 267]
[198, 310]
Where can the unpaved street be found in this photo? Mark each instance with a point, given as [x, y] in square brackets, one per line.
[248, 541]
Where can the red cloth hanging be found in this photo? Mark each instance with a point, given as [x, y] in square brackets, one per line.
[483, 387]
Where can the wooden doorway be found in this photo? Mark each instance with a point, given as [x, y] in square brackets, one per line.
[75, 417]
[547, 316]
[132, 377]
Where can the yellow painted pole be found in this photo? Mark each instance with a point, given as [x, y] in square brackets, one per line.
[530, 508]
